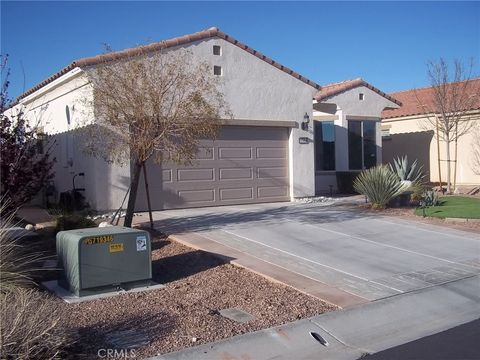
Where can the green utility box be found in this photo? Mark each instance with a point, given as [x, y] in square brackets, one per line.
[97, 260]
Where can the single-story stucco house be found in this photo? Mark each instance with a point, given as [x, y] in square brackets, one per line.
[288, 137]
[406, 131]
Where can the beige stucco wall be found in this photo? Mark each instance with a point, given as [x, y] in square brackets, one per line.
[349, 107]
[415, 137]
[105, 183]
[254, 89]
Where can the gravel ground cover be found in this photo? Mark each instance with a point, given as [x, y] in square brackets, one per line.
[186, 312]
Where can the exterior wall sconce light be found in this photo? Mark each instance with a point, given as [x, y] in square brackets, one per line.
[306, 120]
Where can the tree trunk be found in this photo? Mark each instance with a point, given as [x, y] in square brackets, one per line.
[455, 158]
[438, 157]
[147, 192]
[447, 144]
[137, 167]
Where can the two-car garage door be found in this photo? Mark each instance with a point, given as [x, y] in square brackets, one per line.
[243, 165]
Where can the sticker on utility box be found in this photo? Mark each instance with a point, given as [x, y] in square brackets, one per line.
[141, 243]
[116, 247]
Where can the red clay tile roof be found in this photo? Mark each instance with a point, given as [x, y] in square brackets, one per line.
[330, 90]
[205, 34]
[412, 107]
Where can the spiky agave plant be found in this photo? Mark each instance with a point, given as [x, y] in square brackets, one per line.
[405, 171]
[379, 184]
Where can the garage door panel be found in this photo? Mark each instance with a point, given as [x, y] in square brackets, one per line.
[166, 176]
[195, 196]
[243, 165]
[272, 191]
[195, 174]
[272, 153]
[235, 173]
[272, 172]
[205, 153]
[236, 194]
[227, 153]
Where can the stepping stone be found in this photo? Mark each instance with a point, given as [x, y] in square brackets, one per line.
[127, 339]
[237, 315]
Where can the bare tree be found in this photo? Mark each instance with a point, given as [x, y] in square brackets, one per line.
[156, 105]
[452, 98]
[476, 149]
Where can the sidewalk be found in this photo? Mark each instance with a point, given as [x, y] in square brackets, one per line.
[353, 332]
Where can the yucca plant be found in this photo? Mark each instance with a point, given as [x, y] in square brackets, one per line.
[379, 184]
[405, 171]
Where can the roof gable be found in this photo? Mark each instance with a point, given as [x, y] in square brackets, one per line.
[411, 104]
[181, 40]
[330, 90]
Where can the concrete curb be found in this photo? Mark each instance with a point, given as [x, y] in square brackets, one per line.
[462, 220]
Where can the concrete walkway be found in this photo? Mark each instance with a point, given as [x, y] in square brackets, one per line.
[354, 332]
[343, 256]
[396, 280]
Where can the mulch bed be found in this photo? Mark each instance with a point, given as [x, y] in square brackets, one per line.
[185, 313]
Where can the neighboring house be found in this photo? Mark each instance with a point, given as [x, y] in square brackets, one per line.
[406, 131]
[265, 153]
[347, 118]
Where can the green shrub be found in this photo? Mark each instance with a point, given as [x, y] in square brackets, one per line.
[345, 181]
[405, 171]
[72, 222]
[379, 184]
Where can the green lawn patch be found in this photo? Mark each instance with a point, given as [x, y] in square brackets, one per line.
[454, 207]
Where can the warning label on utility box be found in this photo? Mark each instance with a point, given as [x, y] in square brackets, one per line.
[141, 243]
[116, 247]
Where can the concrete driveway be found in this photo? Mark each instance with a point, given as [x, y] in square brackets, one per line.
[369, 257]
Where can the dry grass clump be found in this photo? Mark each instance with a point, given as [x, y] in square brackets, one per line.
[31, 326]
[29, 320]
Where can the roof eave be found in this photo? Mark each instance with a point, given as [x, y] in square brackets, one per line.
[132, 52]
[354, 84]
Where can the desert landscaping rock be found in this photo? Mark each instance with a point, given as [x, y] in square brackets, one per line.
[316, 199]
[237, 315]
[198, 286]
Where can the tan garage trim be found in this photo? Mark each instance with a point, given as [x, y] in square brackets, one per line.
[270, 123]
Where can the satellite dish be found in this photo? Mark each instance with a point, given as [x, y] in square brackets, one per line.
[67, 112]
